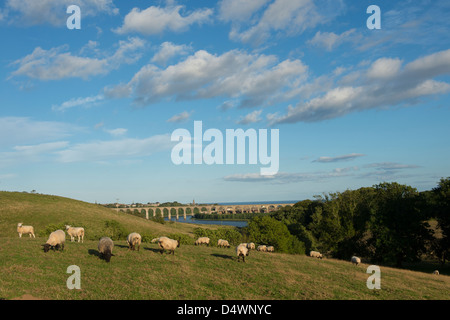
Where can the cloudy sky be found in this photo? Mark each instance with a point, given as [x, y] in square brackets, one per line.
[89, 113]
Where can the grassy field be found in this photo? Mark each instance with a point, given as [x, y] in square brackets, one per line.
[193, 273]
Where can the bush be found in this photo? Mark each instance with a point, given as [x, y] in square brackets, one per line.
[114, 230]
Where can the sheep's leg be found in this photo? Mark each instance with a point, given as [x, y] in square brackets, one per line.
[20, 235]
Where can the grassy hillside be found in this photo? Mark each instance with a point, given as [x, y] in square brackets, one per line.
[198, 273]
[192, 273]
[41, 211]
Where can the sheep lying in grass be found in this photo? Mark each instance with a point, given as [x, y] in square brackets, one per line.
[262, 248]
[202, 240]
[242, 251]
[223, 243]
[134, 239]
[21, 229]
[75, 232]
[270, 249]
[105, 247]
[356, 260]
[165, 243]
[55, 240]
[315, 254]
[436, 272]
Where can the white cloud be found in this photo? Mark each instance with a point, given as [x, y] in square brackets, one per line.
[331, 40]
[169, 50]
[383, 84]
[252, 117]
[23, 130]
[384, 68]
[180, 117]
[255, 79]
[55, 64]
[75, 102]
[346, 157]
[32, 12]
[156, 20]
[117, 132]
[114, 149]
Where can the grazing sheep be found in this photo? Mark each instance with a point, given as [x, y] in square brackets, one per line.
[251, 246]
[242, 251]
[202, 240]
[436, 272]
[315, 254]
[105, 247]
[262, 248]
[223, 243]
[21, 229]
[356, 260]
[270, 249]
[55, 240]
[75, 232]
[165, 243]
[134, 239]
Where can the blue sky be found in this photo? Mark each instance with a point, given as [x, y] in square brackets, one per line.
[88, 114]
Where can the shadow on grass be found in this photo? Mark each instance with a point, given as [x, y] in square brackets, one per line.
[153, 250]
[93, 252]
[223, 256]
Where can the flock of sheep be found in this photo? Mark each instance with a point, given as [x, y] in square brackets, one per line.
[57, 239]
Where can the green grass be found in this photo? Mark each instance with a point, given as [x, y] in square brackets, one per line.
[197, 273]
[193, 273]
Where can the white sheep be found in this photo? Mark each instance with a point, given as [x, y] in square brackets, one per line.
[436, 272]
[356, 260]
[251, 246]
[165, 243]
[242, 251]
[223, 243]
[315, 254]
[55, 240]
[202, 240]
[134, 239]
[262, 248]
[75, 232]
[270, 249]
[105, 248]
[21, 229]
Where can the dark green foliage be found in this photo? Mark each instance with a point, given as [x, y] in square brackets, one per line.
[114, 230]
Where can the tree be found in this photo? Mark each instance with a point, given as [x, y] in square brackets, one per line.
[397, 227]
[442, 212]
[269, 231]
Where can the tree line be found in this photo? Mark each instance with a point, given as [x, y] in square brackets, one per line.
[386, 223]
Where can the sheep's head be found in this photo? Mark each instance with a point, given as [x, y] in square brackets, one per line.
[178, 244]
[19, 224]
[67, 227]
[46, 247]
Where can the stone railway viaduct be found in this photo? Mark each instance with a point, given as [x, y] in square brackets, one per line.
[190, 210]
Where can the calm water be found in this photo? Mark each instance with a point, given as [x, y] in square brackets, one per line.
[225, 222]
[202, 221]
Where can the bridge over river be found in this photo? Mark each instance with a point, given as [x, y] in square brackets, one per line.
[190, 210]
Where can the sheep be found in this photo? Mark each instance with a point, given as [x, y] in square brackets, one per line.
[21, 229]
[134, 239]
[356, 260]
[270, 249]
[262, 248]
[165, 243]
[251, 246]
[75, 232]
[56, 239]
[223, 243]
[315, 254]
[202, 240]
[436, 272]
[242, 251]
[105, 248]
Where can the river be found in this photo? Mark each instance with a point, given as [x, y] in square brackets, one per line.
[189, 219]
